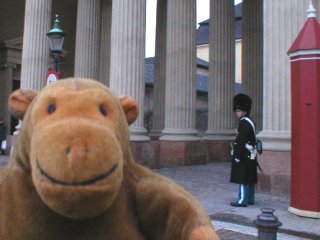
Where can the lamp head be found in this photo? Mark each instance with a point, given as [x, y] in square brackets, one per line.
[56, 36]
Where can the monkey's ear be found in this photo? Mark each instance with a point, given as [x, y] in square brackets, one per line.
[130, 108]
[19, 102]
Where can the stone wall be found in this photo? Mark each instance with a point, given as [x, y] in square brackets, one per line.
[276, 175]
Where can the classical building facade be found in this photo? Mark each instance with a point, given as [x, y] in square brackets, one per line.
[106, 41]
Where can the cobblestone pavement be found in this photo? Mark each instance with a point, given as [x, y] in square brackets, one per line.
[210, 185]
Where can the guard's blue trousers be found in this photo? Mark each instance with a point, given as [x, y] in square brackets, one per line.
[246, 194]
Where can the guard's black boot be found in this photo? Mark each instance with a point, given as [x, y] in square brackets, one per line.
[236, 204]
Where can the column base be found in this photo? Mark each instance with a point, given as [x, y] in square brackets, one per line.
[138, 134]
[182, 135]
[304, 213]
[173, 153]
[155, 134]
[224, 135]
[275, 140]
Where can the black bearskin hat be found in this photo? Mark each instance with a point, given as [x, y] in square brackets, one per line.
[242, 102]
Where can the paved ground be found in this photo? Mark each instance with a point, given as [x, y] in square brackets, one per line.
[210, 184]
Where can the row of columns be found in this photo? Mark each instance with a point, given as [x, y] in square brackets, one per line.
[123, 39]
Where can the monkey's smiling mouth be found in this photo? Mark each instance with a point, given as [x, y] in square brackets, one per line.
[81, 183]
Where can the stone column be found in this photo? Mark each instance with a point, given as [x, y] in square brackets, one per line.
[6, 83]
[87, 50]
[106, 13]
[159, 70]
[282, 21]
[35, 50]
[281, 26]
[252, 58]
[179, 144]
[221, 86]
[7, 74]
[127, 56]
[180, 86]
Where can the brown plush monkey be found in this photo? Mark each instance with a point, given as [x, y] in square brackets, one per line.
[72, 174]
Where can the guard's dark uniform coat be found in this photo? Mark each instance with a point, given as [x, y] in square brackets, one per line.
[245, 171]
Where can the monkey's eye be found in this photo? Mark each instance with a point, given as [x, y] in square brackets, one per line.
[51, 108]
[103, 110]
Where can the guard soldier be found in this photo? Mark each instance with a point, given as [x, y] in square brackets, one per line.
[244, 154]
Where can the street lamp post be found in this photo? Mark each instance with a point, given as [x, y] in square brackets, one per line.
[56, 37]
